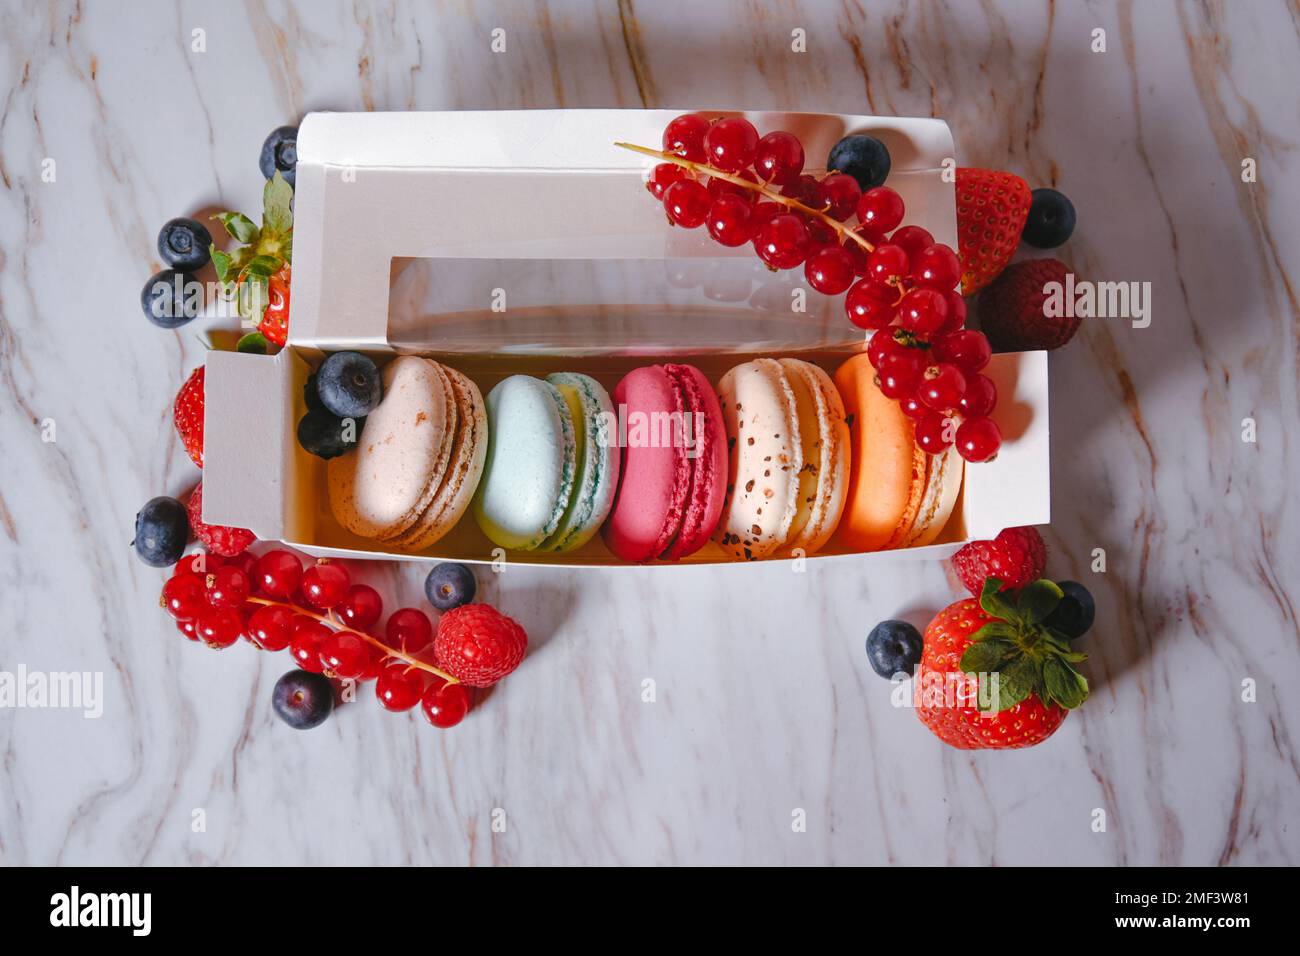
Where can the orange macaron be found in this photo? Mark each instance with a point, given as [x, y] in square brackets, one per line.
[898, 495]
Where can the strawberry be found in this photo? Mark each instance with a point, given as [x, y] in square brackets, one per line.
[1012, 312]
[187, 413]
[1016, 557]
[275, 320]
[218, 539]
[257, 270]
[993, 675]
[478, 645]
[991, 211]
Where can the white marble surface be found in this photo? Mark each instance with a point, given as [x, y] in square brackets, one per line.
[765, 703]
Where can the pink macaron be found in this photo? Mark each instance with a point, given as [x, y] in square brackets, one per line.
[672, 482]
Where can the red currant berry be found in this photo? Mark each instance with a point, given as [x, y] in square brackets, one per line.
[779, 157]
[219, 627]
[881, 344]
[764, 212]
[200, 563]
[344, 655]
[980, 397]
[189, 629]
[804, 189]
[922, 311]
[782, 242]
[685, 136]
[978, 439]
[730, 144]
[858, 253]
[360, 607]
[278, 574]
[913, 239]
[305, 646]
[185, 596]
[663, 176]
[820, 236]
[968, 350]
[936, 267]
[271, 627]
[839, 195]
[375, 663]
[829, 270]
[408, 630]
[942, 387]
[913, 407]
[880, 210]
[956, 311]
[869, 306]
[887, 264]
[719, 187]
[227, 587]
[729, 220]
[325, 583]
[246, 561]
[894, 386]
[687, 203]
[445, 705]
[399, 687]
[934, 433]
[904, 365]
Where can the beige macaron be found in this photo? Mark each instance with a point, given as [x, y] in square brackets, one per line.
[824, 436]
[384, 487]
[464, 469]
[765, 459]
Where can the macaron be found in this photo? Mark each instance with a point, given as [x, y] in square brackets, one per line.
[418, 458]
[531, 464]
[673, 471]
[464, 469]
[824, 438]
[789, 464]
[898, 496]
[596, 477]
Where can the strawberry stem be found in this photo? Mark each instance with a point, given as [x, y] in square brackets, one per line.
[335, 624]
[763, 189]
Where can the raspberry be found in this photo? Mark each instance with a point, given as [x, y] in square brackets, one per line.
[1015, 557]
[478, 645]
[1011, 309]
[218, 539]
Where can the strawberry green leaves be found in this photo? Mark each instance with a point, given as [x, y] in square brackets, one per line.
[1027, 656]
[262, 251]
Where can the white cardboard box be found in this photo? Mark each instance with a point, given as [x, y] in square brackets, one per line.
[523, 241]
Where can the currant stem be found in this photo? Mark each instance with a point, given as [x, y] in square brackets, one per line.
[337, 625]
[763, 189]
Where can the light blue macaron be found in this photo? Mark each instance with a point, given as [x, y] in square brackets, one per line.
[598, 461]
[532, 459]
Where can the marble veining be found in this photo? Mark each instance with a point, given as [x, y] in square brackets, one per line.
[764, 701]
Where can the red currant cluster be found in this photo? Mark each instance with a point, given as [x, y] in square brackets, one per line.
[322, 619]
[745, 188]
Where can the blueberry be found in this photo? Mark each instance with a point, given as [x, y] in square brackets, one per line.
[280, 151]
[893, 647]
[449, 585]
[162, 529]
[349, 385]
[327, 436]
[865, 158]
[171, 298]
[310, 395]
[303, 700]
[1075, 614]
[1050, 221]
[183, 244]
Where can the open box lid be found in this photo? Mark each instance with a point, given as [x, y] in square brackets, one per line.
[491, 231]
